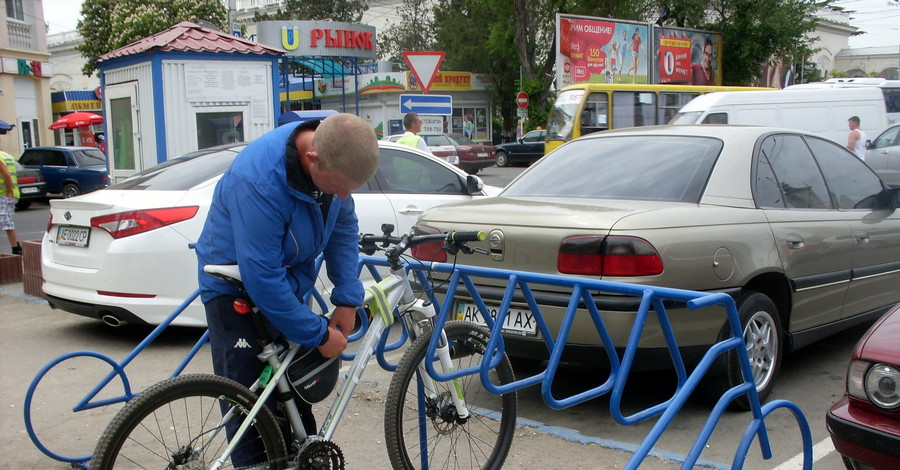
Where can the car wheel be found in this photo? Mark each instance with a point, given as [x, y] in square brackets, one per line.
[70, 190]
[502, 159]
[765, 346]
[23, 204]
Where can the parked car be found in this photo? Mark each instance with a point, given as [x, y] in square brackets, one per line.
[802, 234]
[883, 155]
[122, 254]
[69, 171]
[31, 186]
[527, 149]
[458, 150]
[865, 423]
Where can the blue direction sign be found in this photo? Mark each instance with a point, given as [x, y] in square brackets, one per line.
[426, 104]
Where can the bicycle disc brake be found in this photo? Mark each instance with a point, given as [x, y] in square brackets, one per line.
[320, 455]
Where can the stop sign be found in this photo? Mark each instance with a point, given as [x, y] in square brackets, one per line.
[522, 99]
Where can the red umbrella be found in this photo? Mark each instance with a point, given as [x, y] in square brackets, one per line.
[79, 119]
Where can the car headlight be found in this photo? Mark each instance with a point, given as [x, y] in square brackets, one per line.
[877, 383]
[881, 386]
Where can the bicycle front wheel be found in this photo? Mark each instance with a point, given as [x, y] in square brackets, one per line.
[178, 423]
[425, 432]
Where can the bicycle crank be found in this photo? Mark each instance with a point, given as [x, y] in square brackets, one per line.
[320, 455]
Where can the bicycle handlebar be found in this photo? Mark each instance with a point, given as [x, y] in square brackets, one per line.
[450, 240]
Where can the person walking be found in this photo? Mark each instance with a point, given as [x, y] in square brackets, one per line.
[286, 199]
[9, 195]
[413, 126]
[856, 140]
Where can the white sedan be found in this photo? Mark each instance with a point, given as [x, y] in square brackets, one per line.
[122, 254]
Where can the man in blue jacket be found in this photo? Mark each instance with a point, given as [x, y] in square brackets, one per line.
[284, 200]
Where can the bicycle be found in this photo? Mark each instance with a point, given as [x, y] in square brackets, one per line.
[179, 422]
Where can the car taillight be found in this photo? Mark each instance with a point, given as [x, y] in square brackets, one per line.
[26, 179]
[428, 251]
[125, 224]
[609, 256]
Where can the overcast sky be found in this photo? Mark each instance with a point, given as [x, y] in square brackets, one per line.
[880, 19]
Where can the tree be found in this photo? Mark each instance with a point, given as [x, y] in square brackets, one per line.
[414, 31]
[107, 25]
[348, 11]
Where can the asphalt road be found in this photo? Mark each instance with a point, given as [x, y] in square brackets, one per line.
[583, 436]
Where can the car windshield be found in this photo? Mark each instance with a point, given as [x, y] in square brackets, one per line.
[437, 140]
[562, 117]
[656, 168]
[460, 140]
[689, 117]
[89, 157]
[182, 173]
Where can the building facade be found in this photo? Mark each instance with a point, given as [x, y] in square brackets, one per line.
[25, 75]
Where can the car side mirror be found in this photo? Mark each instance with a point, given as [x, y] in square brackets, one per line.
[894, 194]
[474, 184]
[868, 144]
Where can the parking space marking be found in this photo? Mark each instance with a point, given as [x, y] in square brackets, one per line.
[819, 450]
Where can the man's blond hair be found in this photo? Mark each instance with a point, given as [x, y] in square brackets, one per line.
[347, 144]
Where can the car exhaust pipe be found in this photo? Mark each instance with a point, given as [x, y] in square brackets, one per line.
[112, 320]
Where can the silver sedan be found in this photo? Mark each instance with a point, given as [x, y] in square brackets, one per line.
[802, 234]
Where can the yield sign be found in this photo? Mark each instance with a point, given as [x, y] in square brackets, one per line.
[424, 66]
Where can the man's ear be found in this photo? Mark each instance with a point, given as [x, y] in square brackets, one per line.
[313, 156]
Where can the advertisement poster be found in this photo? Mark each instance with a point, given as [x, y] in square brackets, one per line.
[601, 51]
[689, 57]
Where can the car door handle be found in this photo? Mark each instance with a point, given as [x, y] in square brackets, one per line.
[862, 236]
[412, 211]
[794, 241]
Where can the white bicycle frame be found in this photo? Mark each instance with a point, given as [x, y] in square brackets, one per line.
[393, 293]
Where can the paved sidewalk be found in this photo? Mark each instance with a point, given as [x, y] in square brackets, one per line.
[33, 334]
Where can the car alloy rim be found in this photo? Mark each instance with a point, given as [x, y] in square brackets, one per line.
[762, 347]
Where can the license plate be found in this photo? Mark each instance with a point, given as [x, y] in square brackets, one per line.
[28, 190]
[482, 155]
[73, 236]
[518, 322]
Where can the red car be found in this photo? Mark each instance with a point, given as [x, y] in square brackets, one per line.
[458, 150]
[865, 424]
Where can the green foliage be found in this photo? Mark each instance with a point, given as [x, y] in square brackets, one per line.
[413, 31]
[753, 31]
[348, 11]
[107, 25]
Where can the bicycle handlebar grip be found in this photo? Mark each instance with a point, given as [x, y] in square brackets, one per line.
[468, 236]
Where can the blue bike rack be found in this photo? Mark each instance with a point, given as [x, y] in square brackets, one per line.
[520, 283]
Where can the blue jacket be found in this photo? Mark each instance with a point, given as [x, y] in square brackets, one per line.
[274, 233]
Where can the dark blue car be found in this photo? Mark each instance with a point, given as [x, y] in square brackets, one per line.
[69, 171]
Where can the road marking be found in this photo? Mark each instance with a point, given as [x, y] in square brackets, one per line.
[573, 435]
[819, 450]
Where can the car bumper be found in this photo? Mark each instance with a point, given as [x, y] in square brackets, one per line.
[35, 191]
[477, 164]
[693, 329]
[866, 439]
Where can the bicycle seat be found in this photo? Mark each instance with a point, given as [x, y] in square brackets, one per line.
[228, 272]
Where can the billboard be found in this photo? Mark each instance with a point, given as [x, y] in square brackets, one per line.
[687, 56]
[601, 50]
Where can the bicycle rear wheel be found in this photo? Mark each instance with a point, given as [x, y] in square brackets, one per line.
[177, 423]
[423, 432]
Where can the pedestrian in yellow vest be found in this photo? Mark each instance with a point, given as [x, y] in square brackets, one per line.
[413, 125]
[9, 195]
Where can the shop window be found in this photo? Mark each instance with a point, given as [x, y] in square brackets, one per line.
[219, 128]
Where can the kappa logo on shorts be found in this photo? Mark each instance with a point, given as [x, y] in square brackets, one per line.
[241, 343]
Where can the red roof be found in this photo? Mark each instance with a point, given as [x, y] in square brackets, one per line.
[187, 36]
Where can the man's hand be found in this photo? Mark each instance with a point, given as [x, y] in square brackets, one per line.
[335, 345]
[344, 319]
